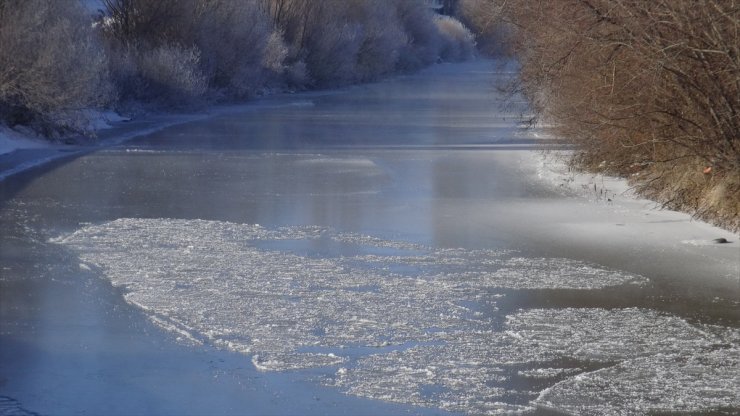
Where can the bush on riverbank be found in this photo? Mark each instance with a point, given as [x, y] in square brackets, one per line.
[51, 66]
[55, 59]
[174, 52]
[647, 90]
[484, 18]
[458, 42]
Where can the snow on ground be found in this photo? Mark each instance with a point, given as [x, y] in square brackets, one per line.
[601, 217]
[23, 138]
[113, 129]
[12, 140]
[616, 193]
[612, 192]
[401, 322]
[101, 120]
[595, 187]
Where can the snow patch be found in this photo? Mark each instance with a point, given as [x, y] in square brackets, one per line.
[12, 140]
[101, 120]
[553, 168]
[23, 138]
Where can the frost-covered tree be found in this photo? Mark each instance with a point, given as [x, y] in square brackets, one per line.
[221, 44]
[237, 47]
[51, 66]
[458, 42]
[356, 40]
[422, 34]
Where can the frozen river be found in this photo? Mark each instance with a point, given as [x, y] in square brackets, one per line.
[394, 248]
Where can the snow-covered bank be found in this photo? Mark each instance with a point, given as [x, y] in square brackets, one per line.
[22, 150]
[605, 211]
[12, 140]
[617, 194]
[23, 138]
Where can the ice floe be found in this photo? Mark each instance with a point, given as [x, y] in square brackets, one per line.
[402, 322]
[643, 362]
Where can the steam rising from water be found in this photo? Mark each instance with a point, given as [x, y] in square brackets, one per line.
[403, 322]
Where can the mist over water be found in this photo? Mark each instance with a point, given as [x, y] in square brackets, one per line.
[376, 246]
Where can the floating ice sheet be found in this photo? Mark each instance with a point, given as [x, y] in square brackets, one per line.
[650, 362]
[402, 322]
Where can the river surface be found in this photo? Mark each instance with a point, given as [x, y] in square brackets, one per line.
[390, 248]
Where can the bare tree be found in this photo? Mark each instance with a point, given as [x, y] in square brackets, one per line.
[648, 89]
[51, 67]
[222, 41]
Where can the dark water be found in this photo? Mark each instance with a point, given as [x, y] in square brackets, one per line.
[422, 164]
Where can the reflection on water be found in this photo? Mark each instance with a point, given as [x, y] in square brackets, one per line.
[388, 264]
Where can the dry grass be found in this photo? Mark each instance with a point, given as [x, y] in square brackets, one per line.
[713, 197]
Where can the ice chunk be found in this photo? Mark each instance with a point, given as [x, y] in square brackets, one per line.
[649, 362]
[417, 318]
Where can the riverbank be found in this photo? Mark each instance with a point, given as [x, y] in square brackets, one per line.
[603, 216]
[22, 150]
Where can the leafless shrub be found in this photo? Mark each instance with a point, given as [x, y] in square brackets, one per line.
[383, 39]
[51, 67]
[135, 22]
[647, 88]
[423, 37]
[458, 43]
[231, 37]
[332, 46]
[246, 45]
[276, 51]
[359, 40]
[171, 75]
[484, 18]
[234, 39]
[296, 75]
